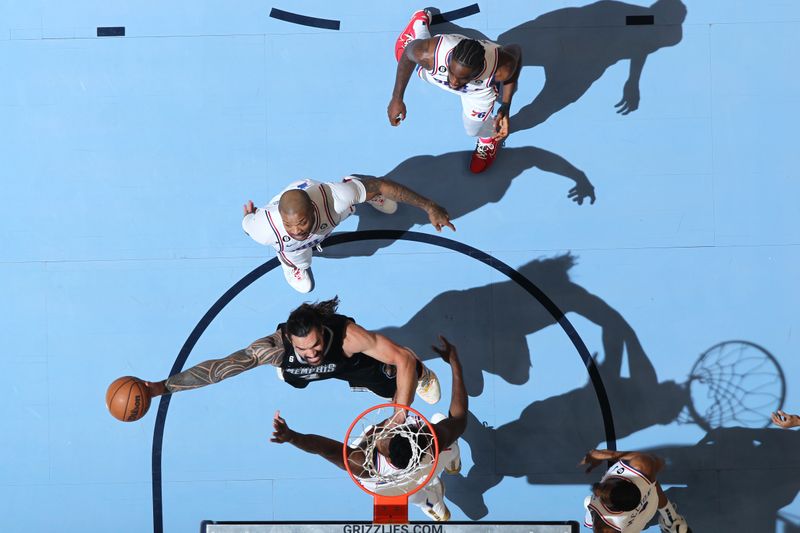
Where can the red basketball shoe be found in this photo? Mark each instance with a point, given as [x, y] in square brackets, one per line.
[484, 155]
[419, 19]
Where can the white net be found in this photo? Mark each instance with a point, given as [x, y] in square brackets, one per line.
[735, 383]
[372, 433]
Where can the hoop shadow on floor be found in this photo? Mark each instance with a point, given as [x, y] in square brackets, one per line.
[560, 433]
[736, 479]
[576, 45]
[445, 179]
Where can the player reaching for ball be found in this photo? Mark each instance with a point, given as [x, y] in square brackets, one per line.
[317, 343]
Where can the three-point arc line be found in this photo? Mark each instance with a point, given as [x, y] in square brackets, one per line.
[343, 238]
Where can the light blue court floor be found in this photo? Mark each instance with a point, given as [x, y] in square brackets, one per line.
[125, 163]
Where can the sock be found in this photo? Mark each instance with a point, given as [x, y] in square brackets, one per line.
[668, 513]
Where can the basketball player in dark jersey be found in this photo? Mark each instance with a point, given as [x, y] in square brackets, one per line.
[316, 343]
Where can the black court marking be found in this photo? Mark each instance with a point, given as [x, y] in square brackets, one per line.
[343, 238]
[111, 31]
[456, 14]
[640, 20]
[303, 20]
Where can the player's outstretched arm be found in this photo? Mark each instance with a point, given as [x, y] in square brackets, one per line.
[400, 193]
[451, 428]
[326, 448]
[377, 346]
[646, 463]
[418, 52]
[267, 350]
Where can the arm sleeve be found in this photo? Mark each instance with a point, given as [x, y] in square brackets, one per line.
[347, 193]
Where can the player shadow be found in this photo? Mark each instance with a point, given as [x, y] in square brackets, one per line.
[576, 45]
[438, 177]
[736, 479]
[550, 436]
[500, 346]
[722, 471]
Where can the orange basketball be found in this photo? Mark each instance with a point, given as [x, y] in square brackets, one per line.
[127, 399]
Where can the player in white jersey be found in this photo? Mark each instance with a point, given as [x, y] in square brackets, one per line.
[470, 68]
[628, 495]
[394, 454]
[302, 215]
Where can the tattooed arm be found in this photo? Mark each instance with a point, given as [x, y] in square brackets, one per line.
[400, 193]
[265, 351]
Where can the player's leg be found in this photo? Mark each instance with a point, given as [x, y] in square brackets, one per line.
[297, 269]
[669, 520]
[431, 500]
[417, 28]
[479, 122]
[381, 379]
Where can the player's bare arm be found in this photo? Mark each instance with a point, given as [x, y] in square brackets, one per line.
[648, 464]
[326, 448]
[437, 214]
[377, 346]
[452, 427]
[507, 74]
[265, 351]
[419, 52]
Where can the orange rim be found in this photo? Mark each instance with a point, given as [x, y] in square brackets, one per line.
[403, 498]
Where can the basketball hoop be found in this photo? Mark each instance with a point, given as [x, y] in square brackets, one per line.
[389, 485]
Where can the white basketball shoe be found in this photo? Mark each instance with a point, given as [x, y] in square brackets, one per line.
[300, 280]
[428, 386]
[382, 204]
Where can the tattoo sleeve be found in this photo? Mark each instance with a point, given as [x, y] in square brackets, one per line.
[394, 191]
[264, 351]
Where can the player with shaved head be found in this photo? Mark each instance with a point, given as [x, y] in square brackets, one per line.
[298, 219]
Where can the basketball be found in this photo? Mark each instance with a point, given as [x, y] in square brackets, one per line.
[127, 399]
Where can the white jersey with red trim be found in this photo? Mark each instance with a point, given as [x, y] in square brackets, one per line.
[332, 202]
[444, 49]
[630, 521]
[385, 468]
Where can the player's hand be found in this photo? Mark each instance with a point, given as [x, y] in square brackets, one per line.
[785, 420]
[630, 98]
[280, 430]
[439, 218]
[155, 389]
[501, 126]
[249, 208]
[590, 460]
[396, 111]
[446, 351]
[581, 191]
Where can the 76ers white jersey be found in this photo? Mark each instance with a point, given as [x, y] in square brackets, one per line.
[332, 203]
[631, 521]
[444, 50]
[385, 468]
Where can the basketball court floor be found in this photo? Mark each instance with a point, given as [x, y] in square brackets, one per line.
[126, 161]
